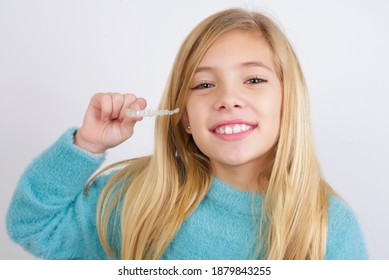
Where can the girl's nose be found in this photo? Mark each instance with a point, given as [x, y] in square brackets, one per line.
[228, 99]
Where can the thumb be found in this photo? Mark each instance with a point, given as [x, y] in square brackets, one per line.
[128, 123]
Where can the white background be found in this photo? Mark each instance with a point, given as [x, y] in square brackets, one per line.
[54, 55]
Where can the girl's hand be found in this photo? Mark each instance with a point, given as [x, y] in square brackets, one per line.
[105, 123]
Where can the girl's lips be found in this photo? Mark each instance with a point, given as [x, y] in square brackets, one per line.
[230, 125]
[233, 130]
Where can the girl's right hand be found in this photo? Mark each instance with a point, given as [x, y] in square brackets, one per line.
[105, 123]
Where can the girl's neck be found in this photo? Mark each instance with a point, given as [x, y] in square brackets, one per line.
[242, 178]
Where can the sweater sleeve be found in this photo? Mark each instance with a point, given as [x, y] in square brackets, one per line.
[345, 239]
[49, 214]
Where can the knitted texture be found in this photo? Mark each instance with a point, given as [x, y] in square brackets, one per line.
[51, 217]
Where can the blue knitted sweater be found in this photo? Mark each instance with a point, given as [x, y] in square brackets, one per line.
[51, 217]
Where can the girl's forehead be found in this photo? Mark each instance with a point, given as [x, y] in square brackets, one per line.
[236, 48]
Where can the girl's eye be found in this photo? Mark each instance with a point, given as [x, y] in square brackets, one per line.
[255, 80]
[203, 86]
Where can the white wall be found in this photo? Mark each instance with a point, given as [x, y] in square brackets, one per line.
[55, 54]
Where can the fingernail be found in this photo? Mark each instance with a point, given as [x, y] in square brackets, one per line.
[135, 106]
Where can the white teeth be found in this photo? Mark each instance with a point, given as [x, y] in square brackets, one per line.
[236, 128]
[245, 127]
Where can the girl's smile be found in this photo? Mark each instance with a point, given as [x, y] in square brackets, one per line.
[233, 130]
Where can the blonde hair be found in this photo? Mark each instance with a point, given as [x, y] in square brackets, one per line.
[152, 196]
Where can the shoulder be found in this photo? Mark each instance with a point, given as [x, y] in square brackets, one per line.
[340, 212]
[345, 238]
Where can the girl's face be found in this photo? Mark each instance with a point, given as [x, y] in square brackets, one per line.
[234, 103]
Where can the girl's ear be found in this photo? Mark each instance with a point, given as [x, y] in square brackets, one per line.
[185, 122]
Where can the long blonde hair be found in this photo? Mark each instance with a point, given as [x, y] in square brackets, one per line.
[152, 196]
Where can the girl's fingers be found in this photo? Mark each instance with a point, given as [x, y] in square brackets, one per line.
[105, 123]
[138, 104]
[117, 101]
[105, 105]
[111, 106]
[142, 103]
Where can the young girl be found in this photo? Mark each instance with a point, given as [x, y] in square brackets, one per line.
[233, 175]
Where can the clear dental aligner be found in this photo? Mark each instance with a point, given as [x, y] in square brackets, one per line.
[150, 113]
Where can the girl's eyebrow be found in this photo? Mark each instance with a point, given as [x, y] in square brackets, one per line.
[254, 63]
[204, 69]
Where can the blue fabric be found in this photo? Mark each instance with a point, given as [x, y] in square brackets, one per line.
[51, 217]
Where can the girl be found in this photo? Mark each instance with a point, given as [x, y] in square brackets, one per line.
[233, 175]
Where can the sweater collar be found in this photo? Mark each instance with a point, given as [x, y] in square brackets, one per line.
[235, 200]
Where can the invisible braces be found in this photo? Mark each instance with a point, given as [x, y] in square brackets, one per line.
[150, 113]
